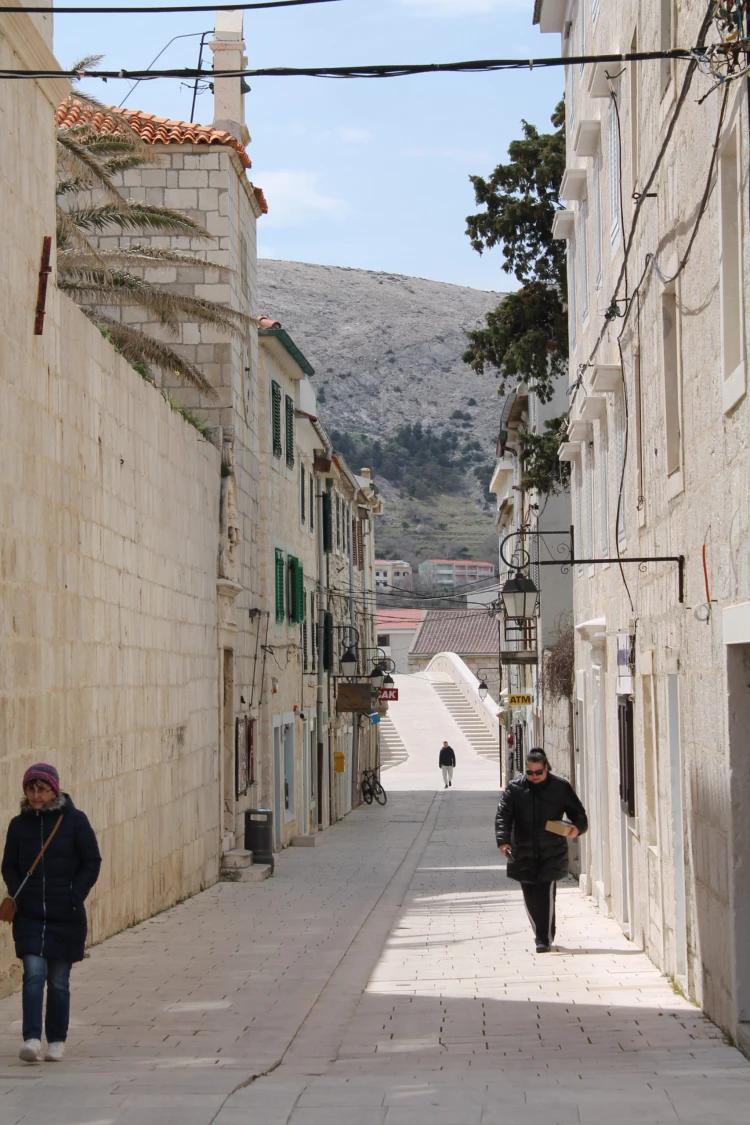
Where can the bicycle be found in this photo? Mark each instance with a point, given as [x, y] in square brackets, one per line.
[371, 787]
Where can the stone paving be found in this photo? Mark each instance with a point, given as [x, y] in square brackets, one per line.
[386, 977]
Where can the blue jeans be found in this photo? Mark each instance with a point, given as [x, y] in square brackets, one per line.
[38, 971]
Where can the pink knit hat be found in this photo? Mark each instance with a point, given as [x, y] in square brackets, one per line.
[43, 772]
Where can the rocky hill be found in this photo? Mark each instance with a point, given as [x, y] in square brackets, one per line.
[387, 352]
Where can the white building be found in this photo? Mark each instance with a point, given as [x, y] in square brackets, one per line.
[390, 573]
[449, 573]
[656, 191]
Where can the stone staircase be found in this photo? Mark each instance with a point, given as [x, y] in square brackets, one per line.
[470, 725]
[392, 749]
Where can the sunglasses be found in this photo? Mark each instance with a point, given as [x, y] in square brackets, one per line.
[37, 787]
[535, 773]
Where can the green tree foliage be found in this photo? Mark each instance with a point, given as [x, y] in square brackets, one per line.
[526, 337]
[540, 467]
[419, 460]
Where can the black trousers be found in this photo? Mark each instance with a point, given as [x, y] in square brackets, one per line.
[540, 907]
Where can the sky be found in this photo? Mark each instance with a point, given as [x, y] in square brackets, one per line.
[368, 173]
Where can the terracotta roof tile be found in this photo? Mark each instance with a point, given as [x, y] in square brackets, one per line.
[261, 197]
[154, 131]
[390, 620]
[266, 323]
[467, 632]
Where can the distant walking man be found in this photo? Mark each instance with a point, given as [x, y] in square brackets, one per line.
[447, 763]
[538, 855]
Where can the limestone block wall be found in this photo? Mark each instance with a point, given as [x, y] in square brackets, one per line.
[108, 537]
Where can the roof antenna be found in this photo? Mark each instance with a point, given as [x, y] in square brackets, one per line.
[190, 35]
[197, 80]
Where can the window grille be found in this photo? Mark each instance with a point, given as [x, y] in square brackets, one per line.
[627, 753]
[279, 585]
[276, 418]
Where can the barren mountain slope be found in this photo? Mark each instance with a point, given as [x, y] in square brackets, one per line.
[387, 350]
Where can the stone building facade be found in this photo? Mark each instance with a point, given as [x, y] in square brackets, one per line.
[656, 217]
[109, 529]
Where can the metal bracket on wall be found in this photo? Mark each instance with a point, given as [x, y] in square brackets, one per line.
[563, 555]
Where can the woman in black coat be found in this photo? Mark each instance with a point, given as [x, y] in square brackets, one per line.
[537, 857]
[50, 925]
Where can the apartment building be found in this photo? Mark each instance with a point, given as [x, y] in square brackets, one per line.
[449, 573]
[656, 223]
[393, 573]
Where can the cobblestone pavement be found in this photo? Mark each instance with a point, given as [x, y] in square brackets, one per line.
[386, 976]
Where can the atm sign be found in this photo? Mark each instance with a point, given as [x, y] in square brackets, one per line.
[520, 700]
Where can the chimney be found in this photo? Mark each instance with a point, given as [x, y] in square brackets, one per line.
[228, 48]
[365, 473]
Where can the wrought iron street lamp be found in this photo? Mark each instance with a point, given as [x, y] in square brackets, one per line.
[388, 680]
[376, 677]
[520, 598]
[483, 689]
[349, 663]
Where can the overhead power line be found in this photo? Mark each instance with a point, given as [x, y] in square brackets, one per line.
[475, 66]
[169, 8]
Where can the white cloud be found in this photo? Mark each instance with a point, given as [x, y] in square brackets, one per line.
[354, 136]
[464, 7]
[294, 197]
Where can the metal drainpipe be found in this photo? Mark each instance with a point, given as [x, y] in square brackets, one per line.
[352, 635]
[320, 710]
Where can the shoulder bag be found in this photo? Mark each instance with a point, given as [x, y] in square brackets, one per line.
[8, 906]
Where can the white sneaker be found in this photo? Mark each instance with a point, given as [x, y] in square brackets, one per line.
[54, 1052]
[31, 1051]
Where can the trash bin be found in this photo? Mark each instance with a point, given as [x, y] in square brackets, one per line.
[259, 835]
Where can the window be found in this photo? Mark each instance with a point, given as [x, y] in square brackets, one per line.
[311, 494]
[289, 771]
[276, 418]
[580, 39]
[328, 642]
[588, 483]
[671, 363]
[639, 428]
[603, 476]
[305, 658]
[665, 42]
[244, 268]
[597, 215]
[620, 424]
[583, 250]
[731, 260]
[338, 524]
[360, 547]
[384, 640]
[614, 171]
[577, 504]
[627, 754]
[313, 633]
[289, 419]
[572, 318]
[634, 74]
[327, 523]
[279, 585]
[302, 493]
[296, 595]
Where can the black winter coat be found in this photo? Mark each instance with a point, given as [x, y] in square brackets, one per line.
[51, 918]
[447, 756]
[537, 856]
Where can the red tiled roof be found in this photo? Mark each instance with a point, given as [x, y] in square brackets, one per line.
[261, 197]
[390, 620]
[154, 130]
[467, 632]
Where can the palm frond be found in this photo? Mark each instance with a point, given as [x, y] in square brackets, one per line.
[76, 161]
[145, 257]
[68, 235]
[139, 348]
[116, 287]
[136, 215]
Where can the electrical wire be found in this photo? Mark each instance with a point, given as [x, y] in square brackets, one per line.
[473, 66]
[69, 11]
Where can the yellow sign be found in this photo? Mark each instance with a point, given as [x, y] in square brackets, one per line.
[520, 700]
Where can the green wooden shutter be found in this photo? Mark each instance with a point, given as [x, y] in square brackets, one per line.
[276, 417]
[279, 585]
[328, 642]
[327, 524]
[289, 407]
[296, 600]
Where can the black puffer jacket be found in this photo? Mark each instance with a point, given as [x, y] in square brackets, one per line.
[51, 918]
[537, 856]
[447, 756]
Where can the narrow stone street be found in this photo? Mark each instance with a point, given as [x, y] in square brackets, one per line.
[385, 977]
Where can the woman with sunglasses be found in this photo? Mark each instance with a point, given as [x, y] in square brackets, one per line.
[50, 925]
[538, 857]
